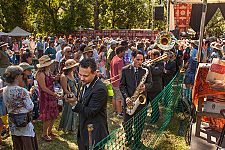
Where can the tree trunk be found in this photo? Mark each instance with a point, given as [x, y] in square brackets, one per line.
[96, 15]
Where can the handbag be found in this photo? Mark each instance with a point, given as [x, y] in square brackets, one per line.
[69, 97]
[20, 120]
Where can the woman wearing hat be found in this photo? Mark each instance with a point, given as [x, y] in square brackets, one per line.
[4, 57]
[70, 88]
[27, 83]
[19, 106]
[47, 98]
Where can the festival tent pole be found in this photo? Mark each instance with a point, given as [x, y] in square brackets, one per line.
[202, 27]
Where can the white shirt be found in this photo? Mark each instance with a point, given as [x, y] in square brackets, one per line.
[58, 56]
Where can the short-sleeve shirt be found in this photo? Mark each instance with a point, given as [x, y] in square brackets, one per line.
[17, 100]
[40, 45]
[192, 65]
[51, 50]
[116, 65]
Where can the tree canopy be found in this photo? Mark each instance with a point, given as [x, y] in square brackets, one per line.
[66, 16]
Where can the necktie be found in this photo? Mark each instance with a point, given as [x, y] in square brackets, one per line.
[136, 75]
[85, 90]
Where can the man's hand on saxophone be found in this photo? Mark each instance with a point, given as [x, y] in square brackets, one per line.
[142, 88]
[129, 102]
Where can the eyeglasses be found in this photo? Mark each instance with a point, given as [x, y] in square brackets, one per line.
[69, 51]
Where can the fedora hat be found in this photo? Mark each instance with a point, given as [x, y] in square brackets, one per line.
[88, 49]
[26, 66]
[70, 63]
[44, 61]
[218, 47]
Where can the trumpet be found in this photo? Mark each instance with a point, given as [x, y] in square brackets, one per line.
[150, 62]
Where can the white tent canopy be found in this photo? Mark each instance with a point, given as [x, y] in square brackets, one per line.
[17, 31]
[3, 33]
[198, 1]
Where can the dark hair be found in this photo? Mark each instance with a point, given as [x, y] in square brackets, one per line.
[120, 49]
[82, 47]
[124, 43]
[89, 62]
[25, 55]
[11, 73]
[101, 48]
[155, 52]
[67, 71]
[136, 52]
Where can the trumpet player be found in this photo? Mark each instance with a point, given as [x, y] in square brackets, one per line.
[157, 84]
[131, 77]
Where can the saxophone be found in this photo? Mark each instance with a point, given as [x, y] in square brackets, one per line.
[137, 97]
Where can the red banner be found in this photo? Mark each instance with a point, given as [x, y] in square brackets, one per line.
[182, 15]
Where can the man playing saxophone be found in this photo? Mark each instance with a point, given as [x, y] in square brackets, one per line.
[135, 81]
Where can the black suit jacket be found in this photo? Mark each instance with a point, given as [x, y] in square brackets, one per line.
[128, 82]
[170, 67]
[157, 74]
[92, 110]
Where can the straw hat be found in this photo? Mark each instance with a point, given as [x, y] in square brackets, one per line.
[218, 47]
[26, 66]
[44, 61]
[3, 44]
[87, 49]
[70, 63]
[195, 42]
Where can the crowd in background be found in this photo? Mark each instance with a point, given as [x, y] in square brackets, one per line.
[48, 67]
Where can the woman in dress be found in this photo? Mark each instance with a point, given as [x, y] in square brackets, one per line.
[70, 86]
[47, 98]
[18, 103]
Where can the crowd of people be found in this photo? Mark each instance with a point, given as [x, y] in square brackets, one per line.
[41, 77]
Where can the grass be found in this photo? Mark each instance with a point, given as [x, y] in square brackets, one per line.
[169, 140]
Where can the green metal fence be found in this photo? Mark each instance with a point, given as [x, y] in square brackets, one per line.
[144, 130]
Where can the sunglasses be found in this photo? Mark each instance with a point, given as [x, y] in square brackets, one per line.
[69, 51]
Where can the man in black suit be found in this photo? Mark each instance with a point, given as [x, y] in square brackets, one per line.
[169, 69]
[131, 77]
[91, 105]
[157, 84]
[169, 72]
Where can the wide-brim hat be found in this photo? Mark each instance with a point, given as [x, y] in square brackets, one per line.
[195, 42]
[88, 49]
[26, 66]
[4, 44]
[70, 63]
[218, 47]
[44, 61]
